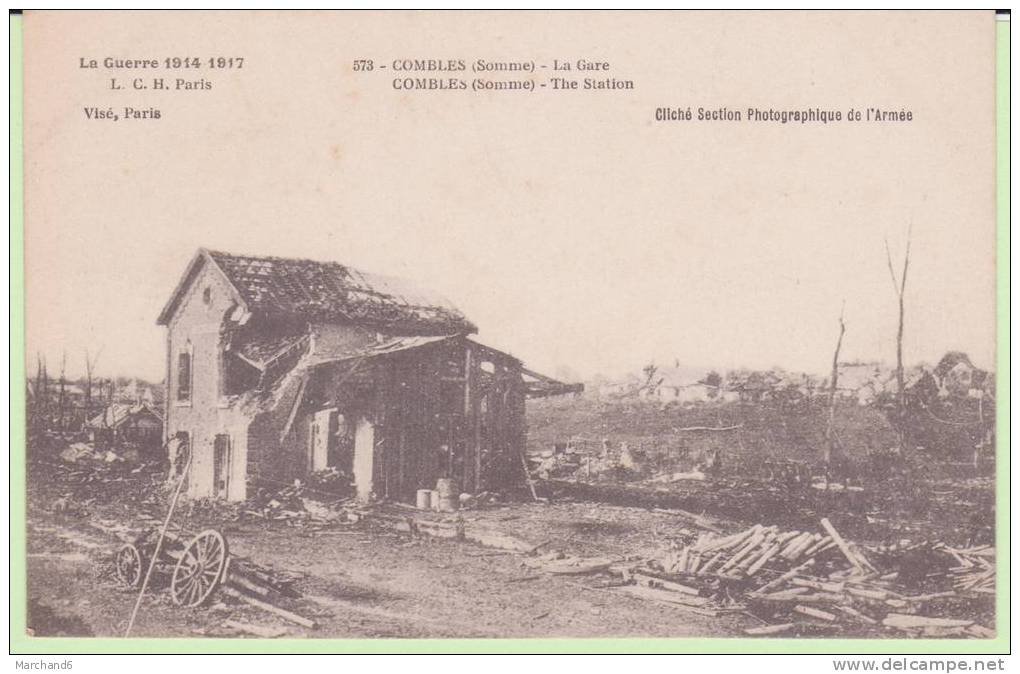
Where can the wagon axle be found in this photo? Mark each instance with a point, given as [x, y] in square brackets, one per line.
[195, 568]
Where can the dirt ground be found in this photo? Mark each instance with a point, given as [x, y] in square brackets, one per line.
[362, 582]
[365, 579]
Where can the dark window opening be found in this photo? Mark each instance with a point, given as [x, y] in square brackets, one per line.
[184, 376]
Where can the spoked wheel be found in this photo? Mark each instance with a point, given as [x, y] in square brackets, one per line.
[128, 564]
[200, 569]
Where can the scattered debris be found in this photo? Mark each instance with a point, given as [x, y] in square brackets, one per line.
[805, 580]
[557, 563]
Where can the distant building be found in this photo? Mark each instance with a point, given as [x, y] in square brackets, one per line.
[958, 377]
[679, 386]
[861, 382]
[753, 386]
[139, 424]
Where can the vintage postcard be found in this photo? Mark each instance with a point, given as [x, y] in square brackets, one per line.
[381, 325]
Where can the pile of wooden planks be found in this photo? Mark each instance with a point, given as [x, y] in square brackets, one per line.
[803, 581]
[746, 553]
[262, 588]
[976, 569]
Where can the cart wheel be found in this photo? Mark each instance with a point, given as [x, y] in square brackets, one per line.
[200, 569]
[128, 564]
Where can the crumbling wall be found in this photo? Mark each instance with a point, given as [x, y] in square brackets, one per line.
[278, 439]
[274, 451]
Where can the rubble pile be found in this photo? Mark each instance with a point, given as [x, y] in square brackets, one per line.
[802, 581]
[318, 499]
[75, 478]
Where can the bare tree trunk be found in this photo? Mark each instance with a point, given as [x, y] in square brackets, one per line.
[45, 387]
[88, 384]
[90, 367]
[37, 393]
[62, 398]
[900, 287]
[830, 431]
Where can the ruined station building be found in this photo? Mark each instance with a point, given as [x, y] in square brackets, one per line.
[277, 368]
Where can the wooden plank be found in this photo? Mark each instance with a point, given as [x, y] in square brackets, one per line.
[769, 629]
[818, 546]
[245, 584]
[294, 409]
[527, 476]
[732, 541]
[849, 610]
[266, 606]
[880, 595]
[761, 561]
[792, 594]
[651, 580]
[695, 604]
[843, 547]
[814, 613]
[816, 585]
[753, 543]
[906, 621]
[783, 578]
[707, 566]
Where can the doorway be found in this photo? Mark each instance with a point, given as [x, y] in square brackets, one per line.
[221, 466]
[319, 438]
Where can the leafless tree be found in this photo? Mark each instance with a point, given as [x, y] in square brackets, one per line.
[62, 397]
[900, 287]
[90, 367]
[649, 371]
[830, 431]
[37, 410]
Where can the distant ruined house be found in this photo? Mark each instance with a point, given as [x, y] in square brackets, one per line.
[753, 386]
[277, 368]
[677, 386]
[861, 382]
[959, 377]
[138, 423]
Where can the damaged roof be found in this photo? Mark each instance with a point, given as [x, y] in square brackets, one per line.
[260, 350]
[117, 413]
[326, 291]
[394, 345]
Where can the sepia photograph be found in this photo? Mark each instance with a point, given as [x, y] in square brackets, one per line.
[389, 325]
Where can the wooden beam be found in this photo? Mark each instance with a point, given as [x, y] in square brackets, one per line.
[843, 547]
[266, 606]
[294, 408]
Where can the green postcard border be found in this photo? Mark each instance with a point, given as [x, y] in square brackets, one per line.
[22, 644]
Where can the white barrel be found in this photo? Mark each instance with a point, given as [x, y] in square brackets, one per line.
[424, 499]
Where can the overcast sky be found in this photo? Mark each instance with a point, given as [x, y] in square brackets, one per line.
[572, 228]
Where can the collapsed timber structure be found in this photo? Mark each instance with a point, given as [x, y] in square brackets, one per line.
[277, 368]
